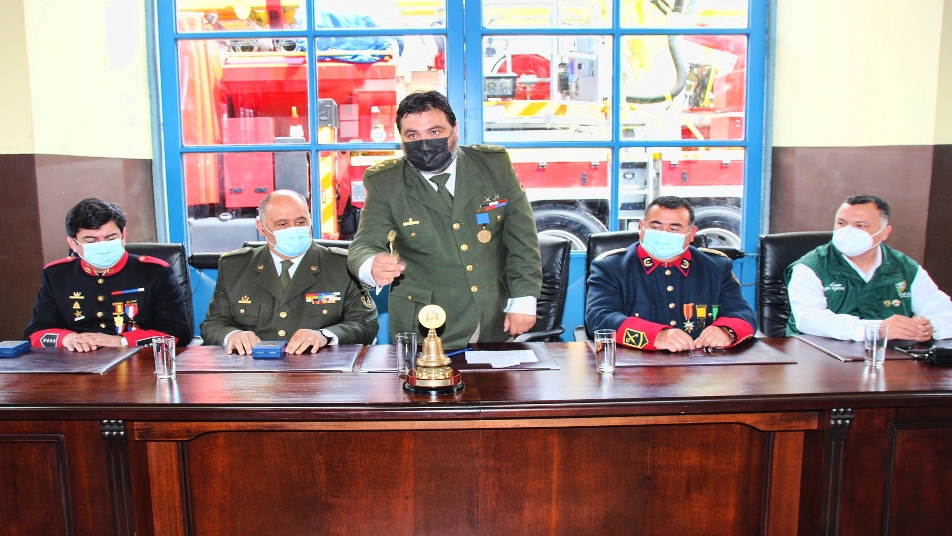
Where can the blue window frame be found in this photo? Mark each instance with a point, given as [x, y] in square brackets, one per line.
[581, 92]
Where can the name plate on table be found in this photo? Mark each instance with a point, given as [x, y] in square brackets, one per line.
[381, 357]
[269, 350]
[339, 358]
[854, 351]
[751, 352]
[61, 360]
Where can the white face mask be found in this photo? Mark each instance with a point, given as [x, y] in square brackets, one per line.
[851, 241]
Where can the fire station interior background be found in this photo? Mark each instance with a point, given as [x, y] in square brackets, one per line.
[856, 104]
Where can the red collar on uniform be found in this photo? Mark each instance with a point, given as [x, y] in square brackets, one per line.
[113, 270]
[682, 263]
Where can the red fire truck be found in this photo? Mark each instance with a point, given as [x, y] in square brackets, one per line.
[536, 88]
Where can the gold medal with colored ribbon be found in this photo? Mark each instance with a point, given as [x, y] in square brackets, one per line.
[688, 309]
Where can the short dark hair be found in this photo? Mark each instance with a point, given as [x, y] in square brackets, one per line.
[92, 213]
[672, 202]
[881, 205]
[424, 101]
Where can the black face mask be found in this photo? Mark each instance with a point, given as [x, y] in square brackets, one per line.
[431, 155]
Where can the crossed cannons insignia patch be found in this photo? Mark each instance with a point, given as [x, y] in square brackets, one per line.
[636, 339]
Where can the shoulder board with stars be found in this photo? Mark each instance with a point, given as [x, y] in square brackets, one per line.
[382, 165]
[610, 253]
[236, 252]
[337, 251]
[710, 251]
[489, 148]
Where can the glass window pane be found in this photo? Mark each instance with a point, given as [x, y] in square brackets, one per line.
[222, 192]
[365, 80]
[237, 16]
[342, 190]
[685, 14]
[557, 88]
[547, 13]
[232, 97]
[569, 188]
[712, 178]
[387, 14]
[683, 87]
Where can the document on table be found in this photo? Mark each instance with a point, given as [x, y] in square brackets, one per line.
[502, 358]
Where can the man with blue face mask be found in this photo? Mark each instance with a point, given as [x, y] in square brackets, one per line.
[291, 290]
[836, 289]
[101, 296]
[661, 293]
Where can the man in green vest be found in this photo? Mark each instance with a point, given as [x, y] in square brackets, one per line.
[290, 290]
[836, 289]
[464, 237]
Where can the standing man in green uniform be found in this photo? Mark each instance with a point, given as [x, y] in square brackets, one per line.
[465, 237]
[290, 290]
[837, 288]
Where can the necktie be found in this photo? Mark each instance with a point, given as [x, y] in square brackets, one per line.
[285, 274]
[440, 182]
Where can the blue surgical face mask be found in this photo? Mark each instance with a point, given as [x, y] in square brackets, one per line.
[662, 244]
[103, 254]
[292, 241]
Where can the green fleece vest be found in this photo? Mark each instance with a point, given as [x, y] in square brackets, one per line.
[888, 293]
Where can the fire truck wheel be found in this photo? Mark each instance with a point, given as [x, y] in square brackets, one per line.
[564, 222]
[720, 224]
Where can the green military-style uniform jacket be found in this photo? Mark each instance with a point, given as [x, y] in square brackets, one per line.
[888, 293]
[447, 263]
[322, 295]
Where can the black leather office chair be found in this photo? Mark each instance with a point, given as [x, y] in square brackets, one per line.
[777, 251]
[174, 254]
[555, 284]
[343, 244]
[599, 243]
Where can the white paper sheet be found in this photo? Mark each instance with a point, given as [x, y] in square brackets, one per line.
[501, 359]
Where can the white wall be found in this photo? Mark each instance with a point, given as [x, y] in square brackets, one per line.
[88, 77]
[16, 122]
[853, 73]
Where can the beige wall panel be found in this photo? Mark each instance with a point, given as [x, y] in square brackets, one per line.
[89, 77]
[943, 114]
[856, 73]
[16, 134]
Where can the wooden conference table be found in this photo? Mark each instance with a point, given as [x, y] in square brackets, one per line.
[812, 446]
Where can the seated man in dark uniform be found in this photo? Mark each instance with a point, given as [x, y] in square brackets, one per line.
[663, 294]
[290, 290]
[104, 296]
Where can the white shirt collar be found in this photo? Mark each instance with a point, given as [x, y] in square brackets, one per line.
[450, 183]
[872, 271]
[277, 262]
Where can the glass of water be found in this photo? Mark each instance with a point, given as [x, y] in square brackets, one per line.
[875, 341]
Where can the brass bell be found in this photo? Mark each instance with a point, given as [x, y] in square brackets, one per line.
[433, 355]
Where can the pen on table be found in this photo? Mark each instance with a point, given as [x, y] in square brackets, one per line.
[457, 352]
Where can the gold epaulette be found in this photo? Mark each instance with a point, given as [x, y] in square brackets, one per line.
[236, 252]
[382, 165]
[489, 148]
